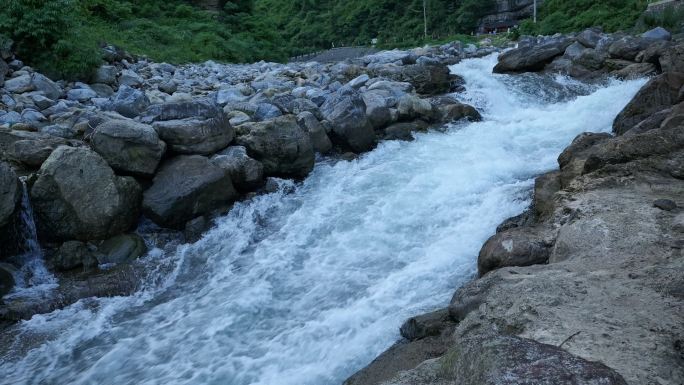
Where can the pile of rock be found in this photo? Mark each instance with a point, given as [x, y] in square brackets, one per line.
[594, 54]
[180, 144]
[586, 287]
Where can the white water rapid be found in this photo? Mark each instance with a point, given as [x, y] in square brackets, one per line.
[307, 285]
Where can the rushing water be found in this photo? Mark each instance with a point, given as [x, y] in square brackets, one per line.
[307, 285]
[33, 278]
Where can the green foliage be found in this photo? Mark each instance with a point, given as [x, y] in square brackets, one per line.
[574, 15]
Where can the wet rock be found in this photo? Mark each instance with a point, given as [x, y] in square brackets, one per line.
[346, 111]
[514, 247]
[403, 130]
[186, 187]
[545, 188]
[533, 57]
[6, 278]
[280, 144]
[247, 174]
[319, 138]
[10, 199]
[412, 107]
[659, 93]
[430, 324]
[129, 102]
[195, 228]
[129, 147]
[636, 71]
[196, 127]
[72, 255]
[665, 204]
[121, 249]
[77, 196]
[457, 111]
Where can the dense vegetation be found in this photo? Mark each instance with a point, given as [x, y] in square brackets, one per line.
[61, 37]
[574, 15]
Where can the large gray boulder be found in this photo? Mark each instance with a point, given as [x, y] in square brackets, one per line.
[346, 111]
[186, 187]
[30, 149]
[129, 102]
[628, 47]
[280, 144]
[247, 174]
[194, 127]
[78, 196]
[379, 105]
[589, 37]
[531, 58]
[128, 146]
[105, 74]
[657, 33]
[319, 138]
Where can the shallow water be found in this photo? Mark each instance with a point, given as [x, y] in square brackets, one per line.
[307, 285]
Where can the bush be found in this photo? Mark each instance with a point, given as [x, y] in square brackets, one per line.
[46, 36]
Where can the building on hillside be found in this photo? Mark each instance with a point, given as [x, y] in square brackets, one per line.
[507, 15]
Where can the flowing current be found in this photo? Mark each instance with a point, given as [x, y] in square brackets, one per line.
[307, 285]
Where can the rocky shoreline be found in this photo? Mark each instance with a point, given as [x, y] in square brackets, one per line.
[149, 154]
[587, 286]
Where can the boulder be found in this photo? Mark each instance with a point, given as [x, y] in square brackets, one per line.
[77, 196]
[196, 127]
[589, 37]
[81, 94]
[456, 111]
[346, 112]
[379, 104]
[130, 78]
[280, 144]
[427, 79]
[28, 148]
[186, 187]
[531, 58]
[425, 325]
[658, 94]
[627, 47]
[10, 200]
[657, 33]
[636, 71]
[403, 130]
[128, 146]
[672, 60]
[4, 68]
[49, 88]
[121, 249]
[247, 174]
[412, 107]
[105, 74]
[514, 247]
[319, 138]
[129, 102]
[545, 189]
[19, 84]
[72, 255]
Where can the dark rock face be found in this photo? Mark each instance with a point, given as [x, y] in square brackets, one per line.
[427, 79]
[281, 145]
[186, 187]
[426, 325]
[512, 248]
[246, 173]
[627, 48]
[121, 249]
[501, 359]
[77, 196]
[346, 112]
[72, 255]
[531, 57]
[658, 94]
[30, 149]
[545, 187]
[10, 199]
[196, 127]
[129, 147]
[6, 278]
